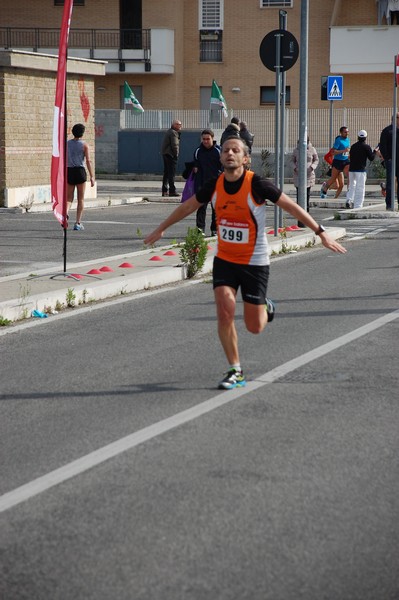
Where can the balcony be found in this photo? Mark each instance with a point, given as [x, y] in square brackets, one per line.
[360, 49]
[125, 50]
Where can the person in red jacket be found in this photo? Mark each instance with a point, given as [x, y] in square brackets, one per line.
[242, 259]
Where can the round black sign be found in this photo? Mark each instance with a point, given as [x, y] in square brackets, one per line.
[289, 50]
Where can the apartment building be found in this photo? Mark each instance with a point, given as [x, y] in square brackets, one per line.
[170, 52]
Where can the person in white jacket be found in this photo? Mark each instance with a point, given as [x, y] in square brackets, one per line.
[312, 160]
[393, 11]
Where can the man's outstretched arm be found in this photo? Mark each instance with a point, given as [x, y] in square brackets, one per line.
[180, 213]
[304, 217]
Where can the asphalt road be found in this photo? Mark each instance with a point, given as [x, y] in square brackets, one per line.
[286, 490]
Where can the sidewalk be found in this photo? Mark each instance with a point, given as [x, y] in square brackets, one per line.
[120, 190]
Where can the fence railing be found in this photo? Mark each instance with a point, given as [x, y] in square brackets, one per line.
[262, 123]
[39, 37]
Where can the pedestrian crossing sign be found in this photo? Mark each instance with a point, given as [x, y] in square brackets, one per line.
[335, 85]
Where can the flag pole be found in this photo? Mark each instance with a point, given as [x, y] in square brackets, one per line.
[64, 195]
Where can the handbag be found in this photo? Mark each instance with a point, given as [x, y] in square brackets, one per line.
[329, 157]
[189, 188]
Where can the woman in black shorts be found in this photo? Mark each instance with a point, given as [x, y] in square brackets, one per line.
[78, 153]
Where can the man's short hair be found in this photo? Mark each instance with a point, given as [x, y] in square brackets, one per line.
[78, 130]
[236, 138]
[235, 120]
[208, 132]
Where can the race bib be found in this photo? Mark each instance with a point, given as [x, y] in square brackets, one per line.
[234, 232]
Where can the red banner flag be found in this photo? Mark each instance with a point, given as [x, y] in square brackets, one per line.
[59, 158]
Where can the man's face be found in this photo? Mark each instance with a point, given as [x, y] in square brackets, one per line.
[207, 141]
[232, 155]
[344, 133]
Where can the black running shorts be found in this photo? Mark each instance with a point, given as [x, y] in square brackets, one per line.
[251, 278]
[76, 175]
[340, 164]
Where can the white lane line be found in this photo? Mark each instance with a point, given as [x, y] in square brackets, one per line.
[76, 467]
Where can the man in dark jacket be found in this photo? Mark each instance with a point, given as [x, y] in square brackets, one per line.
[207, 165]
[358, 155]
[170, 154]
[232, 130]
[248, 138]
[385, 148]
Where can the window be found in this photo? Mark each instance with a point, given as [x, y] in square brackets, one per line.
[276, 3]
[211, 14]
[210, 30]
[268, 95]
[75, 2]
[211, 46]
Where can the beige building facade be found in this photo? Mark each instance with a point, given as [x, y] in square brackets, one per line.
[170, 52]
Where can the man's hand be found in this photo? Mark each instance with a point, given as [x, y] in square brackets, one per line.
[331, 244]
[153, 237]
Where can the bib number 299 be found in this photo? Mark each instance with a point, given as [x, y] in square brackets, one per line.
[234, 235]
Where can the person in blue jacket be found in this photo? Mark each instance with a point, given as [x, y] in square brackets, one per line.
[340, 164]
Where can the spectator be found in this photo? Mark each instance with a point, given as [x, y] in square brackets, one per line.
[359, 153]
[170, 154]
[312, 160]
[232, 130]
[78, 153]
[393, 11]
[340, 164]
[207, 165]
[385, 148]
[382, 11]
[248, 138]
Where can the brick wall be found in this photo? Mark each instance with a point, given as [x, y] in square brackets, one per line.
[43, 13]
[26, 121]
[245, 25]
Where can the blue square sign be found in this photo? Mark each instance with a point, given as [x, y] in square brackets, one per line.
[335, 87]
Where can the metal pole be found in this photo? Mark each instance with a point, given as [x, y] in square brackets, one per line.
[331, 122]
[394, 135]
[277, 127]
[303, 107]
[283, 25]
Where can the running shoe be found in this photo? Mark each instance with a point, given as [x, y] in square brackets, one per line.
[78, 227]
[270, 309]
[323, 191]
[232, 379]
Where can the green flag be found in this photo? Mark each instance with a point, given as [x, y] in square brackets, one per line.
[217, 98]
[130, 99]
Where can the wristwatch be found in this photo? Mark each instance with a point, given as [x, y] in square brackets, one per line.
[319, 230]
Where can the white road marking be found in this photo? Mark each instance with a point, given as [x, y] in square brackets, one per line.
[79, 466]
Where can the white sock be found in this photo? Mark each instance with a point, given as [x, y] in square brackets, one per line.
[236, 366]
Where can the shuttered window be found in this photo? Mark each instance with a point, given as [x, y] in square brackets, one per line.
[211, 14]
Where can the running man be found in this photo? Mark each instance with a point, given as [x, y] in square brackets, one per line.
[242, 260]
[340, 164]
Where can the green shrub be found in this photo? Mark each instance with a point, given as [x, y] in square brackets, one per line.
[193, 252]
